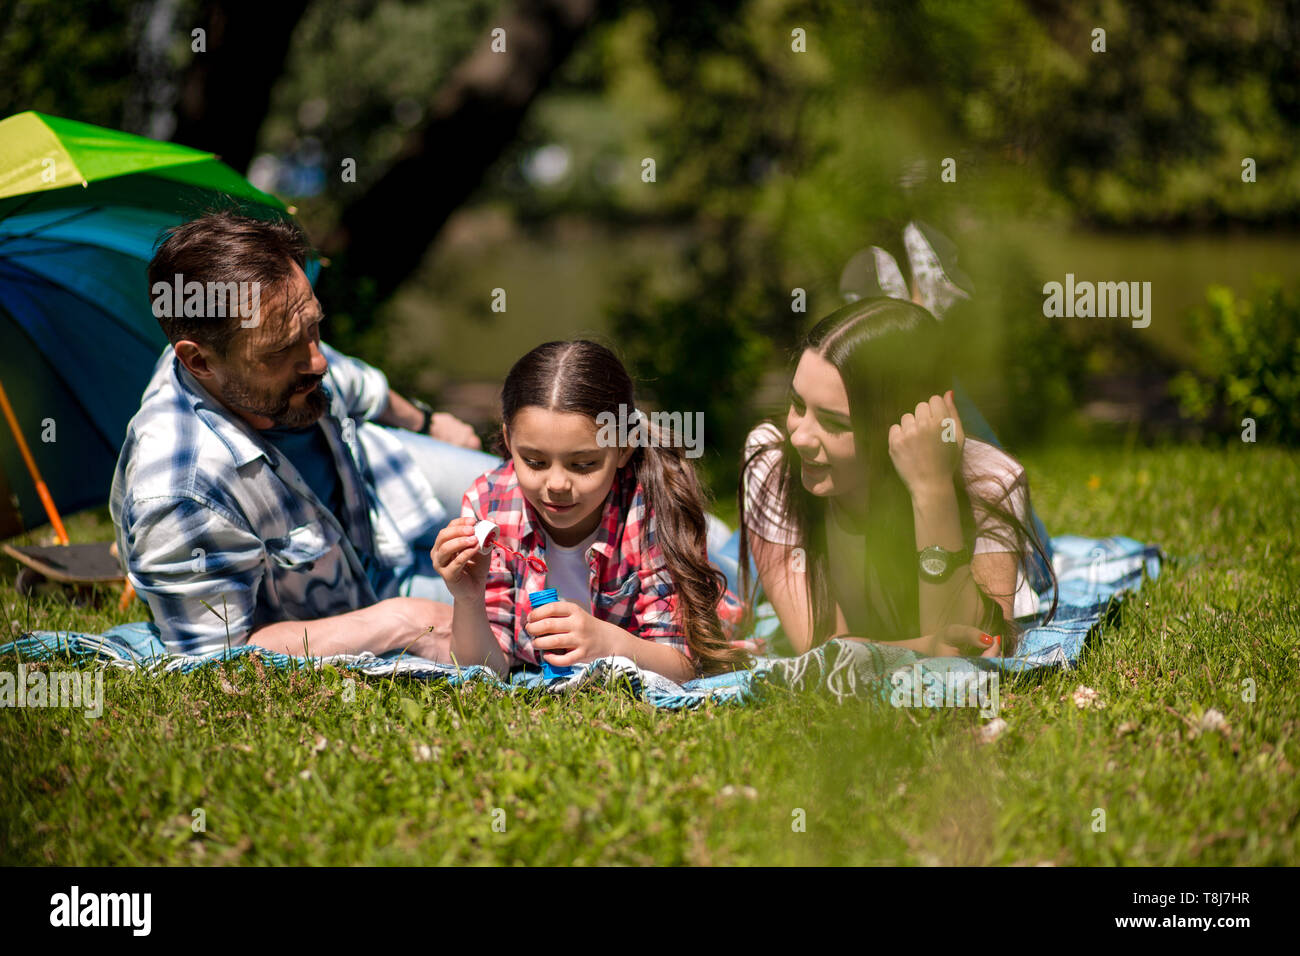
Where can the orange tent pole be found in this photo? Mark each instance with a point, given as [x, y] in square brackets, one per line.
[42, 491]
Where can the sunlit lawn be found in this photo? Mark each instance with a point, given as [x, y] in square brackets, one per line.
[297, 768]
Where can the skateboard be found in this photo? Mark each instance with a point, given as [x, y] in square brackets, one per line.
[75, 565]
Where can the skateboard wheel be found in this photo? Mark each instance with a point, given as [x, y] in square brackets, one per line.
[27, 581]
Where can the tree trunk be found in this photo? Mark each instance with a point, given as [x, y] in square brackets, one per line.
[226, 91]
[383, 234]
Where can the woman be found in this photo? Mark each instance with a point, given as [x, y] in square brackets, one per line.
[871, 514]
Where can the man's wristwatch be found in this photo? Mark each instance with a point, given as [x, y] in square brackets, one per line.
[428, 414]
[937, 564]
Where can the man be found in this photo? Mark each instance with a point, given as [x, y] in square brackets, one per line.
[258, 497]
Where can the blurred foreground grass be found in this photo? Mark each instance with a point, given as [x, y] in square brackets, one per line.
[287, 769]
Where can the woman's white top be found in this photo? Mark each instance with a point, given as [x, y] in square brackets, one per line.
[988, 471]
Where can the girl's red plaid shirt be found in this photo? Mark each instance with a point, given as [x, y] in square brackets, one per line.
[630, 583]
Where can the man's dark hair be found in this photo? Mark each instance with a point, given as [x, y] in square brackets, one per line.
[224, 246]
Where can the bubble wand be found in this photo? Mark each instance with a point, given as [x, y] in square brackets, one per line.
[486, 532]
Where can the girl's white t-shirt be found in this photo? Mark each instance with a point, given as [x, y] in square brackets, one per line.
[987, 469]
[568, 571]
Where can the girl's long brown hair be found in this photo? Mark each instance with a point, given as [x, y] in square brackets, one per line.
[587, 378]
[890, 355]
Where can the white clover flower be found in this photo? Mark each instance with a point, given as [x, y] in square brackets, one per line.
[1087, 697]
[1213, 720]
[992, 730]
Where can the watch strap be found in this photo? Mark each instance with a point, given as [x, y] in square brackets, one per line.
[428, 414]
[952, 559]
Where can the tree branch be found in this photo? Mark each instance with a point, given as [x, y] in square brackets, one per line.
[383, 234]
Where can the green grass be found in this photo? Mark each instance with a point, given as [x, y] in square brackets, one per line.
[303, 768]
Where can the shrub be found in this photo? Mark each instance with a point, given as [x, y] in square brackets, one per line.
[1250, 364]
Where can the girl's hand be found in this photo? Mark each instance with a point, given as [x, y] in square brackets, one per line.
[917, 447]
[758, 646]
[566, 634]
[455, 557]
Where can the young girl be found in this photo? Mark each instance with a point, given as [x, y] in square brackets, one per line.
[871, 513]
[620, 530]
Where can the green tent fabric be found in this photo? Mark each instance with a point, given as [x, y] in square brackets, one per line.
[81, 208]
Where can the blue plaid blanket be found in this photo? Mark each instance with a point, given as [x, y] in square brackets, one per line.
[1091, 571]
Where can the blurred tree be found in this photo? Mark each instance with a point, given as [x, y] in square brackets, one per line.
[423, 123]
[383, 234]
[226, 89]
[1158, 125]
[788, 164]
[732, 91]
[1153, 130]
[778, 163]
[67, 59]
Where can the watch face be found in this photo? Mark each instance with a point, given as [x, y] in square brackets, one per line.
[934, 564]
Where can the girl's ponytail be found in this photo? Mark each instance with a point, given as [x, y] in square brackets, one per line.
[676, 498]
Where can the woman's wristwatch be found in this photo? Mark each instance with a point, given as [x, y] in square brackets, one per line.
[937, 564]
[428, 414]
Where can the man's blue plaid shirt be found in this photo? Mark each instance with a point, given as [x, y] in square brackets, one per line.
[219, 533]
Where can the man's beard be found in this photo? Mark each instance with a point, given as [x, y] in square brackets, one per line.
[279, 409]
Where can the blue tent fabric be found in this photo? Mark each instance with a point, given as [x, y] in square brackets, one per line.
[78, 338]
[1092, 572]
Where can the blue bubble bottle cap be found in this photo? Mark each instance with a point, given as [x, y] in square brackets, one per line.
[540, 598]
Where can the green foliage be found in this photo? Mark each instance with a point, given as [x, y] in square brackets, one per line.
[1250, 354]
[358, 77]
[695, 354]
[724, 96]
[73, 60]
[788, 163]
[1154, 130]
[1023, 371]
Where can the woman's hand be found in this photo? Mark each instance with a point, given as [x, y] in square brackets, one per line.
[959, 640]
[918, 448]
[954, 640]
[455, 556]
[566, 634]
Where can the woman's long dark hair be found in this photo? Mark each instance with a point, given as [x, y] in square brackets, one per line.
[587, 378]
[891, 356]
